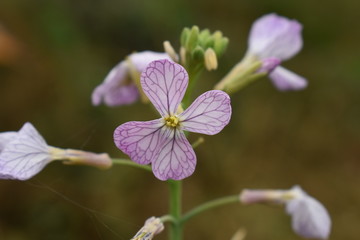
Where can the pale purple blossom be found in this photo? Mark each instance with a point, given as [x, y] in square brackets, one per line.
[5, 138]
[118, 88]
[162, 142]
[309, 217]
[26, 153]
[273, 36]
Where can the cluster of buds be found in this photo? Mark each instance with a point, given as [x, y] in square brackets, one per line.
[199, 48]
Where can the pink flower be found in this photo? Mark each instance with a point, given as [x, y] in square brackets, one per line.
[273, 36]
[118, 88]
[162, 142]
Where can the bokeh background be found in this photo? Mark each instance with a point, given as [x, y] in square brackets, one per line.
[53, 54]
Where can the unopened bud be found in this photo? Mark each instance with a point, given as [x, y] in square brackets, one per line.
[152, 227]
[192, 39]
[184, 36]
[210, 59]
[239, 234]
[204, 34]
[170, 51]
[198, 54]
[183, 56]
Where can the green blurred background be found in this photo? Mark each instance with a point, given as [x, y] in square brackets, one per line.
[53, 54]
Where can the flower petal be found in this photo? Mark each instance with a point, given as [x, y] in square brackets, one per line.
[142, 59]
[208, 114]
[310, 219]
[114, 91]
[5, 138]
[117, 89]
[165, 83]
[176, 159]
[275, 36]
[268, 65]
[24, 156]
[286, 80]
[140, 140]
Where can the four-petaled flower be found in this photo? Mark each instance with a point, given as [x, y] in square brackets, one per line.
[273, 36]
[118, 88]
[162, 142]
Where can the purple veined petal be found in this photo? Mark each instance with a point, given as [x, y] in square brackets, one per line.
[164, 83]
[114, 91]
[275, 36]
[286, 80]
[5, 138]
[208, 114]
[140, 140]
[176, 159]
[24, 156]
[310, 219]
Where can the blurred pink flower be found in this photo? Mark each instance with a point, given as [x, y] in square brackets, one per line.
[118, 88]
[273, 36]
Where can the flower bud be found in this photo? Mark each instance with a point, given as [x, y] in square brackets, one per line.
[198, 54]
[170, 51]
[210, 59]
[192, 39]
[152, 227]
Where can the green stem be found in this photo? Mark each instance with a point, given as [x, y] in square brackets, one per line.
[167, 218]
[175, 209]
[209, 205]
[127, 162]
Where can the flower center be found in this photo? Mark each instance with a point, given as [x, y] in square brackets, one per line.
[172, 121]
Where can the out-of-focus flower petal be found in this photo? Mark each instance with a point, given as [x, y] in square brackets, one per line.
[269, 64]
[275, 36]
[310, 219]
[286, 80]
[208, 114]
[114, 91]
[142, 59]
[140, 140]
[24, 156]
[117, 88]
[176, 159]
[5, 138]
[164, 83]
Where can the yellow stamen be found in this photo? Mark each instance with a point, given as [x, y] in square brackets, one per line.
[172, 121]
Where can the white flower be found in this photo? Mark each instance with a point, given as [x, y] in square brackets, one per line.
[309, 217]
[25, 153]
